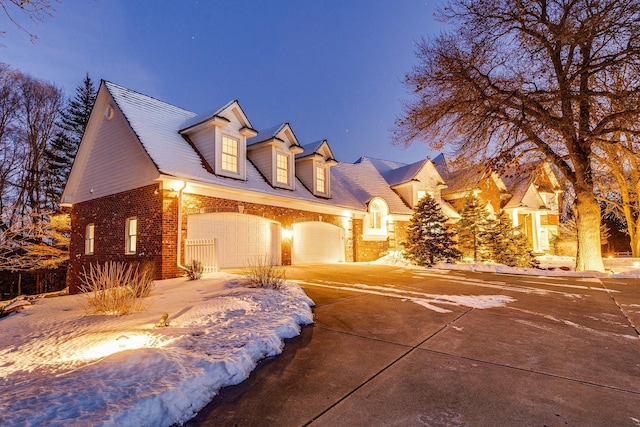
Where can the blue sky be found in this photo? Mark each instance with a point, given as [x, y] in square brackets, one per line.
[333, 69]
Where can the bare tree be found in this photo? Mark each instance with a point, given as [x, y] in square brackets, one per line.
[35, 10]
[618, 179]
[39, 109]
[514, 78]
[9, 148]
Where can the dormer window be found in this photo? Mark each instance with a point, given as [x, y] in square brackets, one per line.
[282, 168]
[321, 183]
[220, 137]
[229, 154]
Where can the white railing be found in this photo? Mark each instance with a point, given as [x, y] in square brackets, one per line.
[203, 250]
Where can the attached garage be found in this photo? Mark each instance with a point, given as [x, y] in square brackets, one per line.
[317, 242]
[239, 239]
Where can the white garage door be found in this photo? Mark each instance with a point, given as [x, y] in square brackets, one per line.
[317, 243]
[240, 239]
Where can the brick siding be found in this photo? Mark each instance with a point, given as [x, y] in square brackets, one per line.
[109, 215]
[157, 214]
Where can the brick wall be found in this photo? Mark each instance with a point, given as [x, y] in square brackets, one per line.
[157, 215]
[109, 215]
[370, 250]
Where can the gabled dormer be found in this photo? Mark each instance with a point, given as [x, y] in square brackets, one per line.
[413, 182]
[272, 151]
[313, 168]
[220, 136]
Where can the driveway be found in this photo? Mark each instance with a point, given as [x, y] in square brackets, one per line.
[409, 347]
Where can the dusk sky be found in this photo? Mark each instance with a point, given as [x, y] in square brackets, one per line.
[333, 69]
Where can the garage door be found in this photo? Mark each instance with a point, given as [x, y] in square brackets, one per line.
[239, 239]
[317, 243]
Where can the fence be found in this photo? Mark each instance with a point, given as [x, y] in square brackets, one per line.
[203, 250]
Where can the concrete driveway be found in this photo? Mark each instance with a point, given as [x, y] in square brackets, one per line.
[398, 346]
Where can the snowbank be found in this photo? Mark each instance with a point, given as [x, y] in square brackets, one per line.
[60, 366]
[619, 268]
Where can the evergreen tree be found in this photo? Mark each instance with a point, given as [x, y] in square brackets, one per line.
[73, 123]
[428, 238]
[472, 228]
[508, 245]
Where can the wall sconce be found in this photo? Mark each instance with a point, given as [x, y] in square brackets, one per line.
[287, 234]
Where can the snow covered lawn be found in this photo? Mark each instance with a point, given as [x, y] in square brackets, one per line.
[60, 366]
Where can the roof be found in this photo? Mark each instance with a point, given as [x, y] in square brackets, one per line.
[201, 118]
[463, 180]
[270, 133]
[266, 134]
[157, 125]
[365, 182]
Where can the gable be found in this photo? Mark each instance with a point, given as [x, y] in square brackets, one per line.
[110, 158]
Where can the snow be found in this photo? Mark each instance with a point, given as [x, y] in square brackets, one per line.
[550, 265]
[62, 366]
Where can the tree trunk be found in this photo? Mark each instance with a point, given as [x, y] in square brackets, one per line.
[587, 210]
[635, 245]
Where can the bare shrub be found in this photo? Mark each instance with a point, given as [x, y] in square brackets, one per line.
[194, 269]
[116, 287]
[263, 274]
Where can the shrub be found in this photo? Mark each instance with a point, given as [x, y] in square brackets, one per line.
[194, 269]
[116, 287]
[263, 274]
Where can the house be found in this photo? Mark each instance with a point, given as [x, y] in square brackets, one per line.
[534, 204]
[154, 183]
[158, 184]
[529, 195]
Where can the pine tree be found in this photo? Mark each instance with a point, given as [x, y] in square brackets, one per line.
[472, 228]
[428, 238]
[508, 245]
[74, 121]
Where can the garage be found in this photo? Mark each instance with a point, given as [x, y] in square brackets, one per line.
[317, 242]
[239, 239]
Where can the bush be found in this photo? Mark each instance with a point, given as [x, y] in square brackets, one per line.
[116, 287]
[263, 274]
[194, 269]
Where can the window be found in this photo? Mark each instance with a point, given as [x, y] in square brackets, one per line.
[89, 238]
[131, 235]
[421, 194]
[377, 223]
[229, 154]
[375, 217]
[282, 168]
[320, 179]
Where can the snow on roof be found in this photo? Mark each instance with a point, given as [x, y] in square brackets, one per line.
[207, 115]
[365, 182]
[463, 180]
[266, 134]
[157, 126]
[440, 161]
[310, 149]
[405, 173]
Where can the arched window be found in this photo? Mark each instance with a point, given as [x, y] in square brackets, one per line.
[376, 221]
[375, 216]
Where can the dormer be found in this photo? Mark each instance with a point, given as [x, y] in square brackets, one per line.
[413, 182]
[220, 137]
[272, 151]
[313, 168]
